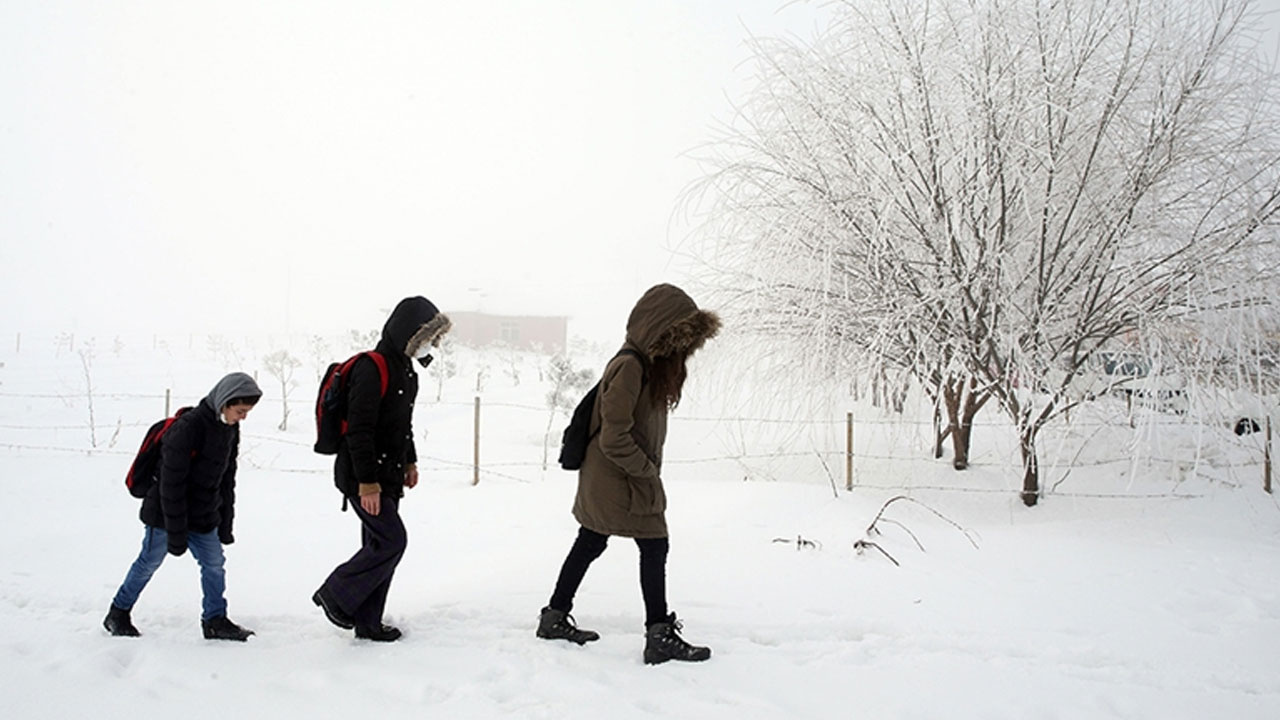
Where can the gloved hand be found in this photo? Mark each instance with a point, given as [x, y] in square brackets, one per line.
[225, 537]
[177, 543]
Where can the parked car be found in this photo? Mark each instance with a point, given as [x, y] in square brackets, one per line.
[1133, 376]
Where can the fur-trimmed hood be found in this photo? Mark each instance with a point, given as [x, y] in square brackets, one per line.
[666, 321]
[428, 334]
[414, 322]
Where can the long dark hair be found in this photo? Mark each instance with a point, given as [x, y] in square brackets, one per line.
[666, 378]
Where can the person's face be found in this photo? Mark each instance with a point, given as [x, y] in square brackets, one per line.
[235, 413]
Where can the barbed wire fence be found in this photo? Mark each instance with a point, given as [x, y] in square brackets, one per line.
[846, 465]
[472, 437]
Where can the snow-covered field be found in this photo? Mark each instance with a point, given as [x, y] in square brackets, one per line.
[1159, 601]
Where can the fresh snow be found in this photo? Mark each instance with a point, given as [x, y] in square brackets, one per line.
[1133, 592]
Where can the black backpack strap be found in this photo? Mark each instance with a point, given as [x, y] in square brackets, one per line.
[644, 361]
[644, 371]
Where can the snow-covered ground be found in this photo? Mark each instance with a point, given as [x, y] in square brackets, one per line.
[1160, 600]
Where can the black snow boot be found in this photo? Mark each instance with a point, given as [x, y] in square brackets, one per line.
[662, 642]
[221, 628]
[118, 623]
[559, 625]
[324, 600]
[382, 633]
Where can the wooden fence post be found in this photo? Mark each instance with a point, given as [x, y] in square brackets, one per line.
[848, 451]
[475, 478]
[1266, 465]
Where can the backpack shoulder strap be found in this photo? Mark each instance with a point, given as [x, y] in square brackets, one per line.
[162, 427]
[644, 361]
[383, 374]
[379, 361]
[168, 422]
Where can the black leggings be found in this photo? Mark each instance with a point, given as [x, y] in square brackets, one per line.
[589, 546]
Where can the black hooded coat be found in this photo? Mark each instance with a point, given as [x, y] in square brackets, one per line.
[378, 444]
[196, 491]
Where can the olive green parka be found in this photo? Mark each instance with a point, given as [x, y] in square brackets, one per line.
[620, 483]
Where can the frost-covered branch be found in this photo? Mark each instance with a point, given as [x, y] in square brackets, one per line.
[988, 195]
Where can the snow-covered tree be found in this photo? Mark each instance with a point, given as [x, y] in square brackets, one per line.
[321, 354]
[443, 364]
[567, 387]
[360, 340]
[987, 193]
[224, 349]
[280, 364]
[512, 359]
[86, 354]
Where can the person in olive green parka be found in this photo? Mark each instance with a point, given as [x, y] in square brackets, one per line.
[620, 483]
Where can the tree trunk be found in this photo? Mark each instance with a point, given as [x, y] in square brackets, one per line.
[546, 438]
[962, 406]
[1030, 466]
[951, 399]
[960, 438]
[284, 399]
[939, 435]
[900, 397]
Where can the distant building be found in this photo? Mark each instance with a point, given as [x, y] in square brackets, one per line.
[548, 334]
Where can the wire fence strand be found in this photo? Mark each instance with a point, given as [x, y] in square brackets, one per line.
[519, 470]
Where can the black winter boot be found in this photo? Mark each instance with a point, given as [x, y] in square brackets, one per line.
[324, 600]
[221, 628]
[662, 642]
[559, 625]
[382, 633]
[118, 623]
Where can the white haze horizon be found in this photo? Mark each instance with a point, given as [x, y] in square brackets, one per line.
[249, 168]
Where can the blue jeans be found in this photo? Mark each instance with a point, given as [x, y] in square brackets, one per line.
[155, 545]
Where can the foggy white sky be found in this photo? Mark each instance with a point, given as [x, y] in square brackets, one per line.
[263, 166]
[273, 165]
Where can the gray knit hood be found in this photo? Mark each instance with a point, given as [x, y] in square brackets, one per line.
[234, 385]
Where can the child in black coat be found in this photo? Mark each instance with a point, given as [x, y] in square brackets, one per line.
[192, 505]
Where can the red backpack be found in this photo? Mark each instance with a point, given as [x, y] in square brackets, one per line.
[331, 402]
[142, 473]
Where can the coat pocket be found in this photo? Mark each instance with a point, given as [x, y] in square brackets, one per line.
[647, 497]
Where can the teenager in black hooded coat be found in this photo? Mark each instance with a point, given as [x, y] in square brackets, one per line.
[376, 462]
